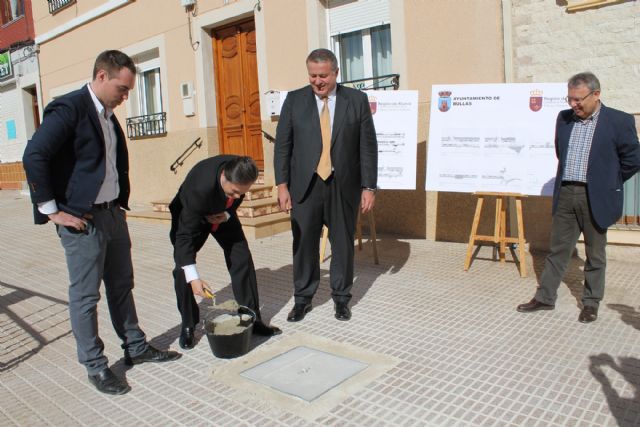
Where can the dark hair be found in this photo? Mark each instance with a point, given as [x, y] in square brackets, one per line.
[323, 55]
[112, 61]
[587, 79]
[241, 170]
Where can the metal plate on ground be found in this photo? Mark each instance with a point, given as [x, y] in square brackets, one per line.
[245, 374]
[304, 372]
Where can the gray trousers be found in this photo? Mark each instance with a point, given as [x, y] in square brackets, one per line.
[102, 253]
[572, 217]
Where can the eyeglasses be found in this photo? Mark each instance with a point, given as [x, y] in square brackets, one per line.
[577, 100]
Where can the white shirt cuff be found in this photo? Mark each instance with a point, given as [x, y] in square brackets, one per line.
[190, 273]
[49, 207]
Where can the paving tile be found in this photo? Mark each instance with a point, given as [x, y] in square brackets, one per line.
[466, 357]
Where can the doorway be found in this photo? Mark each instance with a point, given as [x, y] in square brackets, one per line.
[238, 94]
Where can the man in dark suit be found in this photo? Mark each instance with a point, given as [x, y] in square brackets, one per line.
[597, 149]
[326, 168]
[206, 205]
[77, 168]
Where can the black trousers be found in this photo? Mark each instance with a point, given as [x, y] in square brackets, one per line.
[239, 262]
[324, 204]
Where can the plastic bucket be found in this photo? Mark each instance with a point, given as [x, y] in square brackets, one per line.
[229, 335]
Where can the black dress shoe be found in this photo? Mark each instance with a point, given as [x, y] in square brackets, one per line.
[534, 305]
[298, 312]
[588, 314]
[151, 354]
[342, 311]
[107, 382]
[259, 328]
[187, 339]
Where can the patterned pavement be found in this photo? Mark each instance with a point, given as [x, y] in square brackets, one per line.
[464, 355]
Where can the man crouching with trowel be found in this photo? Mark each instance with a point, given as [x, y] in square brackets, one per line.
[206, 205]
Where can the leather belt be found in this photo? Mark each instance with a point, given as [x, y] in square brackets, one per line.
[574, 183]
[106, 205]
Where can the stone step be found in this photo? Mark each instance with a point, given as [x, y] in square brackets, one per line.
[249, 208]
[254, 228]
[256, 208]
[161, 205]
[266, 225]
[257, 192]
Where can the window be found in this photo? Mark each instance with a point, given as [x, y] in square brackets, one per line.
[365, 53]
[146, 101]
[11, 10]
[149, 92]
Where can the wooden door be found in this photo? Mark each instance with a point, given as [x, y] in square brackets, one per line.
[238, 94]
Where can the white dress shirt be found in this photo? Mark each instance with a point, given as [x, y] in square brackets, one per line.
[110, 187]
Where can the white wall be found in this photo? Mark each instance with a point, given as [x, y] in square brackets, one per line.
[550, 45]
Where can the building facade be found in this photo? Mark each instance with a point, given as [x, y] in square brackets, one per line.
[207, 68]
[19, 112]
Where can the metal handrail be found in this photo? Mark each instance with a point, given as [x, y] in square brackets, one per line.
[148, 125]
[268, 137]
[181, 158]
[375, 83]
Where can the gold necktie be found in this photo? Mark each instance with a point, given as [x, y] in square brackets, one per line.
[324, 165]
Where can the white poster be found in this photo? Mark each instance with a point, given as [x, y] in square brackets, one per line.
[395, 116]
[494, 137]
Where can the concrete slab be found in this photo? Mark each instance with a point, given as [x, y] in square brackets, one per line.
[304, 374]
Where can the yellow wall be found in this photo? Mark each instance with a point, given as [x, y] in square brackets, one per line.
[286, 43]
[457, 41]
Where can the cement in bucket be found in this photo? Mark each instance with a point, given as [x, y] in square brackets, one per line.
[229, 335]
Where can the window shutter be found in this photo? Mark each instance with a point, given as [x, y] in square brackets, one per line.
[346, 16]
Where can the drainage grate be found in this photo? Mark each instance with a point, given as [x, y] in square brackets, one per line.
[304, 372]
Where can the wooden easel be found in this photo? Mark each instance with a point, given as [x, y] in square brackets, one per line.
[499, 237]
[372, 238]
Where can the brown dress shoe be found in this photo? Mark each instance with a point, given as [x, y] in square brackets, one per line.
[534, 305]
[588, 314]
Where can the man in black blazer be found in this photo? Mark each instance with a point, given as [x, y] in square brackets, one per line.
[597, 149]
[326, 168]
[206, 205]
[77, 168]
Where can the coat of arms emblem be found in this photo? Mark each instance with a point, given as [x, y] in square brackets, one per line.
[444, 100]
[373, 104]
[535, 100]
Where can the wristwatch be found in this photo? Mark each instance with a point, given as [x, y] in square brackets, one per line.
[373, 190]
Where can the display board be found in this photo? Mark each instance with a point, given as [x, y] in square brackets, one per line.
[395, 116]
[494, 137]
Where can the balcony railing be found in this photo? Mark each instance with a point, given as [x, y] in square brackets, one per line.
[56, 5]
[147, 126]
[387, 82]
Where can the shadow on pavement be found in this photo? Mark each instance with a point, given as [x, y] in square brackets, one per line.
[275, 288]
[623, 408]
[573, 277]
[24, 348]
[628, 314]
